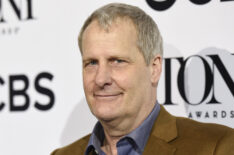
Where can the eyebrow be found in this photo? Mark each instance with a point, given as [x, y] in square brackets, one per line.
[108, 58]
[120, 57]
[88, 58]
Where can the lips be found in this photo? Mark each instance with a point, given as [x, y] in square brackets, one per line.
[107, 96]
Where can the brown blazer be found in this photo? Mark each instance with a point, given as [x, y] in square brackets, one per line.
[175, 136]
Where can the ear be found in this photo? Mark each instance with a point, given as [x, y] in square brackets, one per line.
[156, 69]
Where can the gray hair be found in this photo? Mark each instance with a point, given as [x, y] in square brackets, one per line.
[149, 39]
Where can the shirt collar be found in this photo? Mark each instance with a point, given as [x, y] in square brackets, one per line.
[139, 135]
[96, 139]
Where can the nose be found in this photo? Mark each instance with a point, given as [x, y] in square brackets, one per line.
[103, 76]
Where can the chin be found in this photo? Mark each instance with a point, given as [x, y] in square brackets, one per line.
[105, 115]
[106, 111]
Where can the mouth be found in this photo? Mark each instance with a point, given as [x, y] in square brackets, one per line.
[107, 96]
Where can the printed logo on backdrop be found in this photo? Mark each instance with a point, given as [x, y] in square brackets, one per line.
[205, 82]
[14, 12]
[20, 99]
[162, 5]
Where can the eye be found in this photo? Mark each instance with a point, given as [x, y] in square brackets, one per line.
[93, 62]
[119, 61]
[90, 63]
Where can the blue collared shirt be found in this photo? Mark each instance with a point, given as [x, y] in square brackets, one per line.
[131, 144]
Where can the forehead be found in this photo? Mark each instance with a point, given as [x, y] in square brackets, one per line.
[120, 34]
[118, 25]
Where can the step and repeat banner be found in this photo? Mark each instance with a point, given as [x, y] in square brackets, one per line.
[42, 103]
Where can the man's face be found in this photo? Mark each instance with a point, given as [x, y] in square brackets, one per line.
[117, 81]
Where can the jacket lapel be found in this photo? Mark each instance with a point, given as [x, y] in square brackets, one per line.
[163, 131]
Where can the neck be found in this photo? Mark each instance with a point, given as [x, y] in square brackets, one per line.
[109, 144]
[116, 129]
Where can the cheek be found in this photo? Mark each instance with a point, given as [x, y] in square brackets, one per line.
[87, 82]
[138, 81]
[123, 79]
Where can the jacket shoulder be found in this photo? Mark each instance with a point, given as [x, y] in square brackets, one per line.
[78, 147]
[214, 138]
[189, 126]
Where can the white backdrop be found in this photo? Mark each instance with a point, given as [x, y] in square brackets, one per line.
[40, 64]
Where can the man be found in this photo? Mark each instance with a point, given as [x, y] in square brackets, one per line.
[121, 50]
